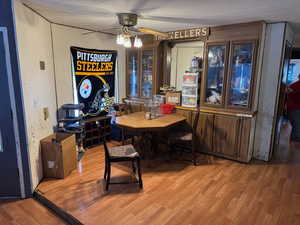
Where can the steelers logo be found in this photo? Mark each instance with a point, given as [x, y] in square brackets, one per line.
[85, 89]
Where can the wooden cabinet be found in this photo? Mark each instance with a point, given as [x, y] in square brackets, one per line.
[96, 130]
[225, 135]
[204, 132]
[244, 145]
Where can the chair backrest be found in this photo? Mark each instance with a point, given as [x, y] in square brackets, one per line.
[196, 119]
[106, 150]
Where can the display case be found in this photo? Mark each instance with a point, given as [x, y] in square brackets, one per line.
[215, 70]
[241, 74]
[144, 69]
[147, 73]
[133, 73]
[229, 78]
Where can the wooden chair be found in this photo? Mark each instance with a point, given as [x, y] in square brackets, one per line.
[127, 133]
[185, 139]
[121, 154]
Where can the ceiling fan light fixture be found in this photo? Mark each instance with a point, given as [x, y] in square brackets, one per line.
[137, 42]
[127, 42]
[120, 39]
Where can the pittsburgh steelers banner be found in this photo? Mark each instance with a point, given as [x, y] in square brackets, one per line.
[95, 79]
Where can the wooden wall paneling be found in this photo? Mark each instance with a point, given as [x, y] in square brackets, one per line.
[159, 79]
[166, 49]
[243, 31]
[225, 136]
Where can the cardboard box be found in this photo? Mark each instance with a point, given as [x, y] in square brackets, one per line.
[173, 98]
[59, 155]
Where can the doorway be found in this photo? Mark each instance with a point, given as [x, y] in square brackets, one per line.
[12, 185]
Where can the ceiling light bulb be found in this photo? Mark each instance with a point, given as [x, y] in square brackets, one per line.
[137, 42]
[140, 43]
[127, 43]
[120, 39]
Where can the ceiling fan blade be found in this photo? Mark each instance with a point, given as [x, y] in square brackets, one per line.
[153, 32]
[139, 7]
[89, 32]
[114, 28]
[195, 21]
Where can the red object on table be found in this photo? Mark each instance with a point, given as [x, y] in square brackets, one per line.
[166, 108]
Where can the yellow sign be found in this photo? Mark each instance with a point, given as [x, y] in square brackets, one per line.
[194, 33]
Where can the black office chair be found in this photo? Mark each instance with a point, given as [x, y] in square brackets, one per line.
[121, 154]
[184, 140]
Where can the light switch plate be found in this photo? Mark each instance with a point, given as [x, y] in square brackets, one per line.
[42, 65]
[46, 113]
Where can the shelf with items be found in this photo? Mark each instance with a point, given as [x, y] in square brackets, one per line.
[190, 89]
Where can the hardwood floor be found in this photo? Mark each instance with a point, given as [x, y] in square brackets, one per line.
[216, 192]
[26, 212]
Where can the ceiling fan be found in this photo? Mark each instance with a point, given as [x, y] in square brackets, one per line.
[127, 30]
[129, 20]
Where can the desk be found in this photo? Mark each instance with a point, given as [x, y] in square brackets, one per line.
[147, 128]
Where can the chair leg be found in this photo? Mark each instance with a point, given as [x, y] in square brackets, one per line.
[169, 150]
[123, 136]
[133, 167]
[139, 173]
[108, 175]
[105, 171]
[194, 155]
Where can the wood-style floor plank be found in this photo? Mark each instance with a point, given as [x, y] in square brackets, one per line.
[26, 212]
[216, 192]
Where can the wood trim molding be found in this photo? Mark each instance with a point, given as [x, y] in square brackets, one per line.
[220, 112]
[56, 209]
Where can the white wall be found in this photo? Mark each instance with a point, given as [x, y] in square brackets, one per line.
[35, 36]
[182, 55]
[65, 37]
[34, 43]
[276, 35]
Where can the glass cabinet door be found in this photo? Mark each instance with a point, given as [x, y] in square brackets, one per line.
[215, 73]
[147, 73]
[241, 67]
[133, 70]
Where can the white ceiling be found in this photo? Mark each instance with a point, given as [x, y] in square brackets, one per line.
[166, 15]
